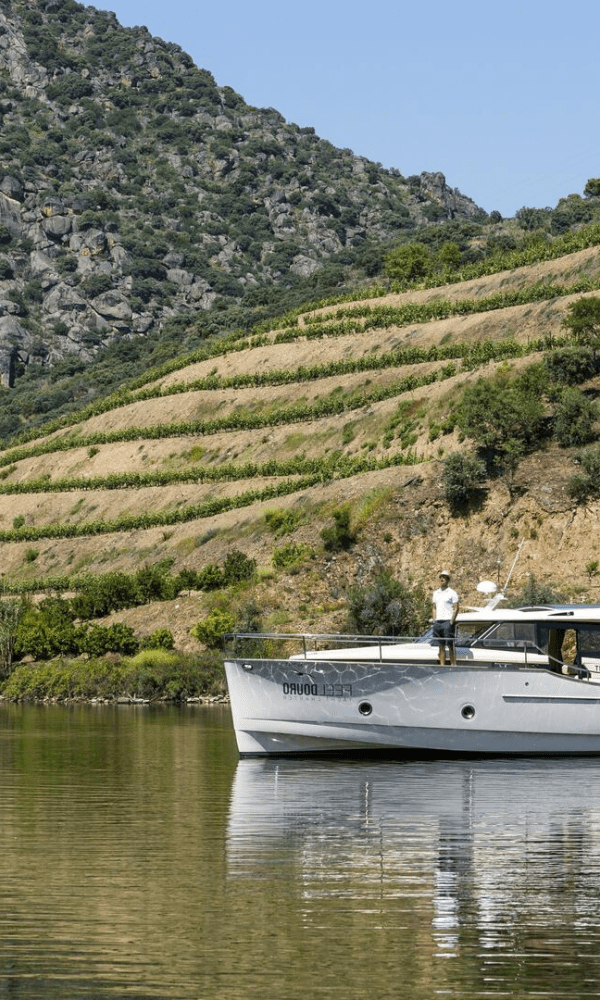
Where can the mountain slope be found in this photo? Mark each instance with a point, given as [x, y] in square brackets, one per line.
[136, 195]
[185, 466]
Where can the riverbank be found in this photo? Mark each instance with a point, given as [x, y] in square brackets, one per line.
[150, 677]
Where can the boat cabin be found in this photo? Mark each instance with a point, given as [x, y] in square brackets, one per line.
[568, 636]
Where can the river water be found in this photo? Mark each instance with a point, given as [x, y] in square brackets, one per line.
[140, 858]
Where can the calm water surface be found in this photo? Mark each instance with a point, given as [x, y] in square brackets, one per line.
[140, 858]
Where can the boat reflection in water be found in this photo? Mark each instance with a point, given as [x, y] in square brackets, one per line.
[488, 857]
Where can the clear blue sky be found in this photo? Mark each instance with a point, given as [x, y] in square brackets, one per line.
[503, 98]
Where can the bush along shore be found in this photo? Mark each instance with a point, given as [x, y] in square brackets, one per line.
[152, 676]
[55, 649]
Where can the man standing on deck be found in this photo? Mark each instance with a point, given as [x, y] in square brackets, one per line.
[445, 610]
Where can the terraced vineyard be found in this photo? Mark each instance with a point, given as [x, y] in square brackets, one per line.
[349, 403]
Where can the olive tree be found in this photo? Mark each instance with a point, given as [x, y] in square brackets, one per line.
[583, 321]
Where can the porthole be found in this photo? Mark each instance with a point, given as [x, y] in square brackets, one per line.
[365, 708]
[468, 711]
[247, 666]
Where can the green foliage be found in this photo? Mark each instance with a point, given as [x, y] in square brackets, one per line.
[592, 188]
[161, 638]
[153, 583]
[532, 219]
[574, 418]
[210, 577]
[47, 631]
[463, 477]
[69, 88]
[283, 522]
[583, 320]
[408, 263]
[571, 365]
[340, 536]
[6, 271]
[211, 629]
[11, 614]
[387, 607]
[155, 674]
[117, 638]
[238, 567]
[586, 484]
[291, 555]
[533, 594]
[106, 593]
[495, 411]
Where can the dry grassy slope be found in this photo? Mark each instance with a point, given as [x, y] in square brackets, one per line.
[403, 523]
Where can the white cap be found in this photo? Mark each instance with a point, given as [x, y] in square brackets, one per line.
[444, 572]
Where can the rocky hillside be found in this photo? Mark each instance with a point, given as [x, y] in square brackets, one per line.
[136, 194]
[254, 446]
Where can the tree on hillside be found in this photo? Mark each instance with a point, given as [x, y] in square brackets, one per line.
[592, 188]
[463, 477]
[583, 321]
[409, 262]
[574, 418]
[532, 218]
[449, 256]
[11, 613]
[496, 411]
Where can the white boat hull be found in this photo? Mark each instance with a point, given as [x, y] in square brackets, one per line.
[281, 706]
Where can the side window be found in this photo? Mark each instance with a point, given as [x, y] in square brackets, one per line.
[588, 643]
[512, 635]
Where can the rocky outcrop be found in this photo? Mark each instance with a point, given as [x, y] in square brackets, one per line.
[133, 189]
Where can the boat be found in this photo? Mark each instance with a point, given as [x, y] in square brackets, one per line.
[526, 681]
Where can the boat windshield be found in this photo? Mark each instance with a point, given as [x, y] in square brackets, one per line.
[508, 635]
[467, 633]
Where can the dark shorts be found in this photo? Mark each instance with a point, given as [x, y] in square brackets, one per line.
[443, 630]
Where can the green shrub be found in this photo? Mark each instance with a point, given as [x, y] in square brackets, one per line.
[106, 593]
[340, 536]
[153, 583]
[69, 88]
[291, 555]
[155, 673]
[571, 365]
[574, 418]
[161, 638]
[583, 320]
[118, 638]
[408, 263]
[238, 567]
[387, 607]
[494, 411]
[532, 594]
[210, 577]
[586, 484]
[282, 522]
[463, 477]
[211, 630]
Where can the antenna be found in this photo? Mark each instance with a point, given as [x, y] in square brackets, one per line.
[513, 566]
[489, 588]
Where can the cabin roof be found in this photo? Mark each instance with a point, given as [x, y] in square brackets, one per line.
[568, 613]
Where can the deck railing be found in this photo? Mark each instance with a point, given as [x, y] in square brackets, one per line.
[279, 645]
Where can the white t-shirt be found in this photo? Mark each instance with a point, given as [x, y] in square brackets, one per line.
[445, 600]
